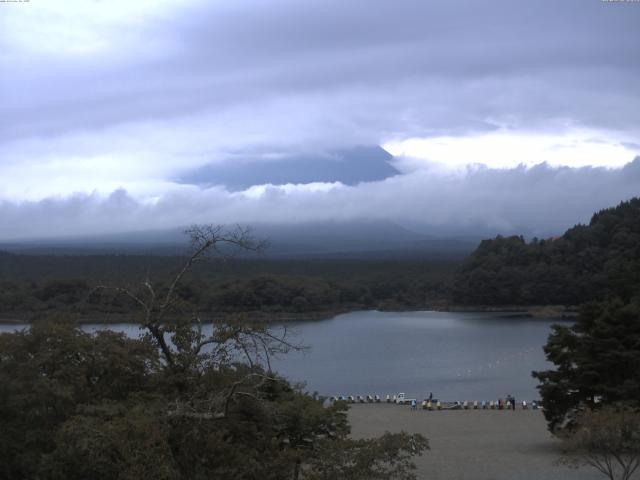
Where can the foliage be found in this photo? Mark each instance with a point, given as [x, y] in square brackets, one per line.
[588, 262]
[607, 440]
[50, 371]
[176, 403]
[597, 362]
[386, 458]
[34, 286]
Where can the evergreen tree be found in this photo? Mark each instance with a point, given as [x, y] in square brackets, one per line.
[597, 362]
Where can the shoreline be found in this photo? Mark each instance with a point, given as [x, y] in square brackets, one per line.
[559, 312]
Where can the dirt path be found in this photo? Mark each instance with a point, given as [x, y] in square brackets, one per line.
[472, 444]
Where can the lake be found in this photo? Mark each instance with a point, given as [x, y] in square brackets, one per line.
[457, 356]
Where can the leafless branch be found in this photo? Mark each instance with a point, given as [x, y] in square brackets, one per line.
[233, 390]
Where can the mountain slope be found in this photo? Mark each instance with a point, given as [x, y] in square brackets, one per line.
[588, 262]
[330, 239]
[349, 166]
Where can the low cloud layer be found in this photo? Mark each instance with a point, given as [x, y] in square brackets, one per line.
[540, 201]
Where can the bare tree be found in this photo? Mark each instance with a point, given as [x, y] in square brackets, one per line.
[179, 335]
[607, 440]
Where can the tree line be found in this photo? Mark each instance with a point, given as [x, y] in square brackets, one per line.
[46, 286]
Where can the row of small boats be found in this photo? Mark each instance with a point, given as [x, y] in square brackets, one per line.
[434, 404]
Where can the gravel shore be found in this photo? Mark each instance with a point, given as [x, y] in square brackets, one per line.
[472, 444]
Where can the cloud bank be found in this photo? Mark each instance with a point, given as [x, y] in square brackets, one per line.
[540, 200]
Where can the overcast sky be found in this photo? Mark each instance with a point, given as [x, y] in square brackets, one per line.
[503, 114]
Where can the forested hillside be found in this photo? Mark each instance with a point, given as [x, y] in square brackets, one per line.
[33, 286]
[588, 262]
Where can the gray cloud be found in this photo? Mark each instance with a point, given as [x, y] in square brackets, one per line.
[410, 66]
[205, 83]
[540, 200]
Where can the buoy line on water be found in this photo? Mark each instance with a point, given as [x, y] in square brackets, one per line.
[497, 363]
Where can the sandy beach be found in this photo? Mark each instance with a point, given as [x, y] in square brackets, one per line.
[472, 444]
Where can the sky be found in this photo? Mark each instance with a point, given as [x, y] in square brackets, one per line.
[500, 115]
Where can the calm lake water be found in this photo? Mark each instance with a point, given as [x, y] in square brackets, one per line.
[457, 356]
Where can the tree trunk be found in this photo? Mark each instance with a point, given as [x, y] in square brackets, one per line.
[296, 470]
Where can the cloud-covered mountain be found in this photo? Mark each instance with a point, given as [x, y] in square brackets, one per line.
[120, 94]
[347, 166]
[329, 239]
[135, 116]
